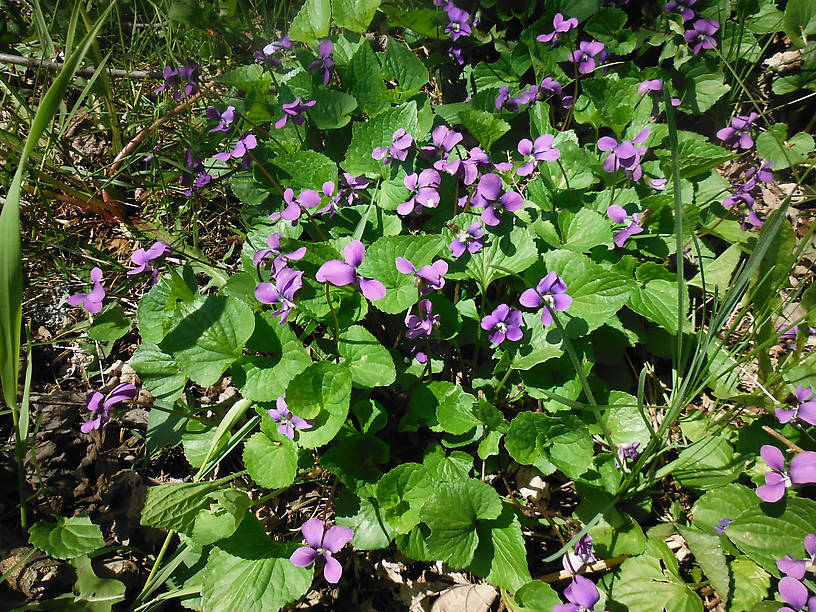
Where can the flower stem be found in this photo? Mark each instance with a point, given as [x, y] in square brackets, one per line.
[336, 324]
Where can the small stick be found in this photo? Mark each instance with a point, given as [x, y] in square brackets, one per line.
[783, 439]
[33, 62]
[598, 566]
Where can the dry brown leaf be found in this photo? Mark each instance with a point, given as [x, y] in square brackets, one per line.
[466, 598]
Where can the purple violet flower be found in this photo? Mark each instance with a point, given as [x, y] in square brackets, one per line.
[503, 323]
[267, 54]
[193, 165]
[245, 143]
[324, 49]
[742, 196]
[777, 480]
[582, 555]
[627, 451]
[186, 73]
[550, 289]
[582, 595]
[458, 25]
[654, 88]
[342, 273]
[469, 239]
[683, 7]
[121, 394]
[561, 25]
[540, 150]
[145, 260]
[294, 111]
[797, 569]
[701, 36]
[287, 422]
[280, 259]
[491, 196]
[513, 105]
[764, 173]
[423, 188]
[795, 594]
[308, 198]
[322, 542]
[632, 222]
[550, 87]
[419, 326]
[224, 119]
[455, 54]
[443, 139]
[720, 527]
[483, 163]
[149, 157]
[624, 154]
[428, 278]
[401, 141]
[805, 409]
[585, 54]
[282, 291]
[354, 185]
[170, 76]
[739, 132]
[284, 43]
[92, 302]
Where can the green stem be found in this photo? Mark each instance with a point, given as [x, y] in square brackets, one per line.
[503, 381]
[336, 324]
[156, 563]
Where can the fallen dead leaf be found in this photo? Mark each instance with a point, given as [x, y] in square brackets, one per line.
[466, 598]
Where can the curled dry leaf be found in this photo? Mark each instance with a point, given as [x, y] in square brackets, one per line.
[466, 598]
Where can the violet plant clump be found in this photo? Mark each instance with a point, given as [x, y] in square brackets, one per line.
[378, 365]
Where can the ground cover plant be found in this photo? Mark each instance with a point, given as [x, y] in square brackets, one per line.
[515, 296]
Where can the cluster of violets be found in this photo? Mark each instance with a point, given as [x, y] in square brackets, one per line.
[144, 260]
[701, 33]
[461, 25]
[493, 199]
[802, 468]
[181, 80]
[504, 323]
[745, 194]
[581, 593]
[791, 588]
